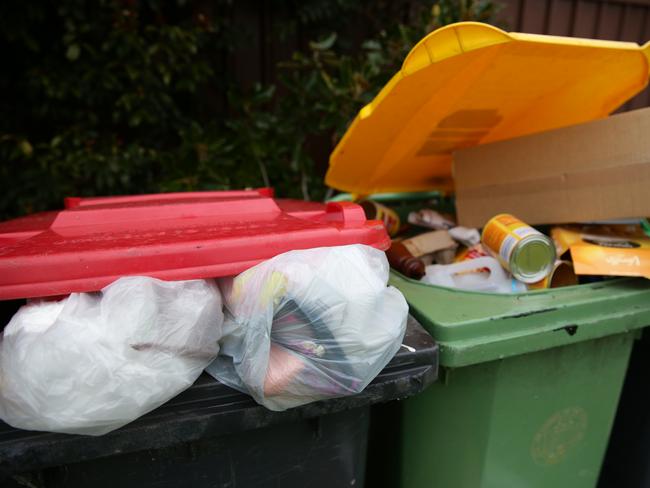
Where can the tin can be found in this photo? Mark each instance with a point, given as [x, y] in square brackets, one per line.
[528, 254]
[561, 275]
[377, 211]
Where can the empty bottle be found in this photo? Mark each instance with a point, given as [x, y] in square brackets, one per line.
[403, 261]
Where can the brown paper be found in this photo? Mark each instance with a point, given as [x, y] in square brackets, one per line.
[429, 242]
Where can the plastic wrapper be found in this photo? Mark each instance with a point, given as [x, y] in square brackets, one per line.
[431, 219]
[309, 325]
[466, 236]
[93, 362]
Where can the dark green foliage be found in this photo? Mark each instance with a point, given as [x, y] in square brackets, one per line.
[112, 97]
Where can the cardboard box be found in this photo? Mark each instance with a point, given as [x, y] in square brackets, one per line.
[594, 171]
[429, 242]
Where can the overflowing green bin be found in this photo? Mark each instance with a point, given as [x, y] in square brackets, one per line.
[529, 384]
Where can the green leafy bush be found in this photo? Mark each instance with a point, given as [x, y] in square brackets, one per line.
[126, 96]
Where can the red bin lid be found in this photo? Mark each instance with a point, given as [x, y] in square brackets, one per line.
[173, 236]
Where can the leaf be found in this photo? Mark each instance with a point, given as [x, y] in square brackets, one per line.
[73, 52]
[371, 45]
[325, 44]
[26, 147]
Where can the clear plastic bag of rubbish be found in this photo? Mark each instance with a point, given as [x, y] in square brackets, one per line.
[94, 362]
[309, 325]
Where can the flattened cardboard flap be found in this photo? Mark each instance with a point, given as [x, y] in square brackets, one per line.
[594, 171]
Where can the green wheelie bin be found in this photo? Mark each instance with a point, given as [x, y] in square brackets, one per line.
[530, 382]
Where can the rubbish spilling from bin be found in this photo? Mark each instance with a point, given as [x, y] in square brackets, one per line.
[584, 186]
[309, 325]
[533, 377]
[510, 256]
[93, 362]
[303, 326]
[76, 368]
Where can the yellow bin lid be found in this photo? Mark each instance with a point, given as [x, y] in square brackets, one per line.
[471, 83]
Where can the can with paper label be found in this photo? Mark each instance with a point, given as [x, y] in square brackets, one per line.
[528, 254]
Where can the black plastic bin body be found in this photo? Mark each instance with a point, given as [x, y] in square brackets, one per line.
[213, 436]
[627, 462]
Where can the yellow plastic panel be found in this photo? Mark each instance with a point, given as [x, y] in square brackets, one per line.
[471, 83]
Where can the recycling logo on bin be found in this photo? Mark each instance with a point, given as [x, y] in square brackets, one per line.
[560, 434]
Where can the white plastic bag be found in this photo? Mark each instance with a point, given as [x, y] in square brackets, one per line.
[308, 325]
[483, 274]
[91, 363]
